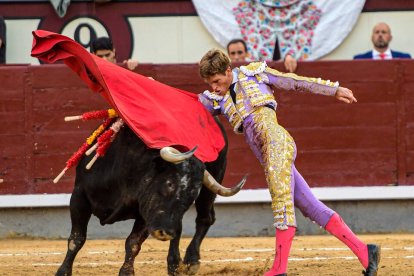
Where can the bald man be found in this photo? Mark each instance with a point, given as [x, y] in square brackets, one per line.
[381, 38]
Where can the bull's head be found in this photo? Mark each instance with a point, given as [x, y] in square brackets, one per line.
[174, 156]
[181, 184]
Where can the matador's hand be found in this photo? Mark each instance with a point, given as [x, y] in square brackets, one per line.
[345, 95]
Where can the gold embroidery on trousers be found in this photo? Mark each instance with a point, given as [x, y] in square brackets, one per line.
[277, 153]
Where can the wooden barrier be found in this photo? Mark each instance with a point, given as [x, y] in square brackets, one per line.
[363, 144]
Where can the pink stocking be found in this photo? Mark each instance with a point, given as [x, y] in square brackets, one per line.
[337, 227]
[283, 243]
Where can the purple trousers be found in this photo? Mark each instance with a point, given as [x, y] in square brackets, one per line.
[276, 151]
[306, 202]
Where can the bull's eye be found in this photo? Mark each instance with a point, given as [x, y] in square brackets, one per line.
[168, 188]
[170, 185]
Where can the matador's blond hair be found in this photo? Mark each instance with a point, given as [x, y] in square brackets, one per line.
[214, 62]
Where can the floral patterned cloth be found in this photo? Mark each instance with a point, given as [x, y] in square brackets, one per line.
[291, 22]
[278, 4]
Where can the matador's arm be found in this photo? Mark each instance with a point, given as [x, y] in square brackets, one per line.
[210, 102]
[290, 81]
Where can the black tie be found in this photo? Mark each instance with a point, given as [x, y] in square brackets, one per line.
[276, 52]
[233, 97]
[232, 92]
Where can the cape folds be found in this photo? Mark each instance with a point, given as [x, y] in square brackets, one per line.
[159, 114]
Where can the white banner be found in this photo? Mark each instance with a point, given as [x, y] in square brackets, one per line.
[308, 29]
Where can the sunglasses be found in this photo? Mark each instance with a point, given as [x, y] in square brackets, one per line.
[236, 52]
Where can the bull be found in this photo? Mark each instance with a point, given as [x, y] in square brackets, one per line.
[153, 187]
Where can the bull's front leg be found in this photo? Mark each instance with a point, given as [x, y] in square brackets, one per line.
[205, 218]
[174, 261]
[133, 244]
[80, 213]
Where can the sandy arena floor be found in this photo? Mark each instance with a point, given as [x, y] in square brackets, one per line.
[311, 255]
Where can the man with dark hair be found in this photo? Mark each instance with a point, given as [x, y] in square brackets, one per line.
[103, 48]
[381, 38]
[2, 40]
[237, 51]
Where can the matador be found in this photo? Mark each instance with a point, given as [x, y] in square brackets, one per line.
[245, 97]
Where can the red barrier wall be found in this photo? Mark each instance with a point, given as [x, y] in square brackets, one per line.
[363, 144]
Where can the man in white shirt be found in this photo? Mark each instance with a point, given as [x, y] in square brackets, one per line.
[381, 37]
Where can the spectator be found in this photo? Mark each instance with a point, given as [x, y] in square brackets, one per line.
[381, 37]
[237, 50]
[2, 41]
[103, 48]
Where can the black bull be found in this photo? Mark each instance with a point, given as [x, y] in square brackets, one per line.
[134, 182]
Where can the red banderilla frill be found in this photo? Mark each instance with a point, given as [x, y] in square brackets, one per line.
[108, 116]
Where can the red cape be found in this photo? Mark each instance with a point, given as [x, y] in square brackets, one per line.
[159, 114]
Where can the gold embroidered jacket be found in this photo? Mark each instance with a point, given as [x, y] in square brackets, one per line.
[254, 88]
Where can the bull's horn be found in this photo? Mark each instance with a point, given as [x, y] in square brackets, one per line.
[217, 188]
[173, 155]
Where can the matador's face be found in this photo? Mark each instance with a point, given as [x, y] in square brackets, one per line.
[220, 83]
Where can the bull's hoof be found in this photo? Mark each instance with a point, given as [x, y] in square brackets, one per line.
[192, 269]
[174, 270]
[185, 269]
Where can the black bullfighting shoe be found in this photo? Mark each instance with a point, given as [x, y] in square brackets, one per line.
[374, 257]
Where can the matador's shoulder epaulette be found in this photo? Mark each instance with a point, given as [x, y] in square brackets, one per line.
[212, 96]
[253, 68]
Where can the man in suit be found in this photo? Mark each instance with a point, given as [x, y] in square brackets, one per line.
[381, 37]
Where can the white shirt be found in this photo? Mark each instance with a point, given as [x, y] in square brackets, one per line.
[376, 54]
[235, 72]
